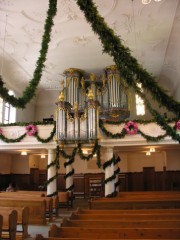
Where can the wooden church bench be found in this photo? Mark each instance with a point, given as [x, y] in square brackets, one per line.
[127, 223]
[114, 233]
[126, 211]
[9, 226]
[22, 219]
[20, 195]
[43, 194]
[1, 223]
[63, 199]
[37, 208]
[130, 203]
[133, 216]
[148, 193]
[40, 237]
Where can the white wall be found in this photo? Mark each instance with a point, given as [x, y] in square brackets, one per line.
[45, 104]
[27, 114]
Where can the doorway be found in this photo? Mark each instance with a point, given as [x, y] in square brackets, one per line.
[149, 178]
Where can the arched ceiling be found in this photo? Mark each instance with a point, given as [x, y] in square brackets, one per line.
[150, 31]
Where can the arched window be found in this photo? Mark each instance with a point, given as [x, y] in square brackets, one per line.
[140, 108]
[7, 112]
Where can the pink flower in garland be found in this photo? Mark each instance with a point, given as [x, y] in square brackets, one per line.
[131, 128]
[31, 130]
[178, 125]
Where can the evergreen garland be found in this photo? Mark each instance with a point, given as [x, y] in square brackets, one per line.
[109, 134]
[117, 171]
[126, 63]
[53, 163]
[117, 160]
[53, 194]
[117, 183]
[19, 139]
[112, 195]
[21, 124]
[70, 188]
[65, 155]
[10, 140]
[71, 173]
[69, 162]
[48, 139]
[29, 92]
[56, 160]
[170, 131]
[95, 150]
[108, 163]
[109, 179]
[151, 138]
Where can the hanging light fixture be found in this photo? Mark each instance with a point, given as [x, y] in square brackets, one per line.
[23, 153]
[148, 1]
[152, 149]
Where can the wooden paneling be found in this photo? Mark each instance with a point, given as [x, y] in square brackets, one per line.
[133, 181]
[79, 186]
[149, 179]
[88, 176]
[61, 183]
[5, 179]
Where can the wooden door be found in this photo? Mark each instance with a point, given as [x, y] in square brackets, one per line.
[149, 178]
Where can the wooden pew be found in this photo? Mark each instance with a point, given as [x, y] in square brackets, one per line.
[1, 223]
[22, 219]
[37, 208]
[124, 218]
[64, 199]
[127, 211]
[43, 194]
[127, 223]
[9, 226]
[40, 237]
[132, 216]
[114, 233]
[148, 193]
[134, 203]
[19, 195]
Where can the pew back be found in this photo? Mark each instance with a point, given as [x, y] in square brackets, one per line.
[114, 233]
[9, 224]
[37, 208]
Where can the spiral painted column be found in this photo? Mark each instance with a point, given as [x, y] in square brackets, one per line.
[51, 173]
[109, 172]
[69, 175]
[116, 172]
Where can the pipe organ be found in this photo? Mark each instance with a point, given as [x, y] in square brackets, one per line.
[85, 99]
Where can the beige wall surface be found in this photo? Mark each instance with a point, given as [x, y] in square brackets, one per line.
[130, 162]
[20, 164]
[5, 163]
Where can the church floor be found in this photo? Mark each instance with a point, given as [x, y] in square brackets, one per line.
[63, 212]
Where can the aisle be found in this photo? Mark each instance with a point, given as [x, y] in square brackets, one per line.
[63, 212]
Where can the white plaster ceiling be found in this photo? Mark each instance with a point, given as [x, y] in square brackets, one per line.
[150, 31]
